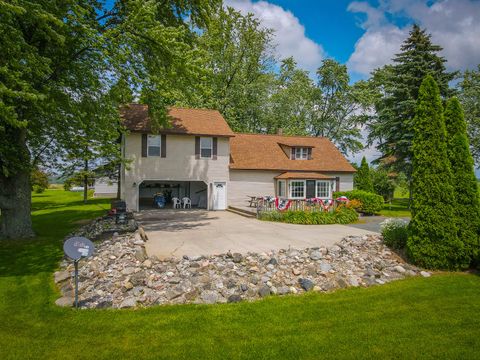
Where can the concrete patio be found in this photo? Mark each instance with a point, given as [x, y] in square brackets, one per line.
[199, 232]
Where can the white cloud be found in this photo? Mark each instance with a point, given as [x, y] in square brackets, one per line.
[289, 36]
[453, 24]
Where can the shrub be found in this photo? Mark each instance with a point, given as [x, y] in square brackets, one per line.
[363, 178]
[370, 203]
[38, 189]
[341, 215]
[395, 233]
[433, 235]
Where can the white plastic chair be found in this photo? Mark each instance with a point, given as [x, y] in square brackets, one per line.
[176, 203]
[186, 202]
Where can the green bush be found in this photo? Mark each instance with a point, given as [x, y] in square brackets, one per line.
[38, 189]
[370, 203]
[395, 233]
[341, 215]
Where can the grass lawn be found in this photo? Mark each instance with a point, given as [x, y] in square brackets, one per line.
[399, 205]
[435, 317]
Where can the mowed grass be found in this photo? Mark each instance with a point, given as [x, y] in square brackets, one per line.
[434, 318]
[398, 207]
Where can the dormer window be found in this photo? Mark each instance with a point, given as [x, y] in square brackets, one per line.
[301, 153]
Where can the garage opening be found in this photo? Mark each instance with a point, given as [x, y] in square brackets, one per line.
[151, 190]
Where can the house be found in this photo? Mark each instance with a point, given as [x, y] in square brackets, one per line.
[105, 187]
[200, 157]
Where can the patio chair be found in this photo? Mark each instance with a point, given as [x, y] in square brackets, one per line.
[186, 202]
[176, 203]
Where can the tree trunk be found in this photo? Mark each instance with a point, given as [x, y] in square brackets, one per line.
[15, 203]
[119, 188]
[85, 182]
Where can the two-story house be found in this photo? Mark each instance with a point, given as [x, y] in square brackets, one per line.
[200, 157]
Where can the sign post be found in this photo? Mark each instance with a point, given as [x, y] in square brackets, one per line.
[75, 248]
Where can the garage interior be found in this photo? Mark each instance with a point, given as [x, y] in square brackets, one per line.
[197, 191]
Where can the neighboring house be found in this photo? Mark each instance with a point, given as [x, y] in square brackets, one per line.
[105, 187]
[200, 157]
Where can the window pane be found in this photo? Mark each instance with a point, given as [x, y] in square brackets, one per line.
[323, 189]
[301, 153]
[154, 145]
[281, 188]
[154, 140]
[297, 189]
[206, 153]
[206, 142]
[154, 151]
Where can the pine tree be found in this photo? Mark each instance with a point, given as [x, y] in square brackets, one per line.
[467, 207]
[363, 179]
[433, 241]
[398, 87]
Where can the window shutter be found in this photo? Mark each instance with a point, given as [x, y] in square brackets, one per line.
[309, 153]
[144, 145]
[163, 150]
[197, 147]
[214, 148]
[292, 154]
[337, 183]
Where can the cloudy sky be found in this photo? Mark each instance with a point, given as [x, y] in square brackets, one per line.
[366, 34]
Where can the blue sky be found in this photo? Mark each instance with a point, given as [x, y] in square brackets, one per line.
[366, 34]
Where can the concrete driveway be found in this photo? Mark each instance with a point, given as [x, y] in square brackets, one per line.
[199, 232]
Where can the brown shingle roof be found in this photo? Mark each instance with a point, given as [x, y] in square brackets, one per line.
[263, 152]
[183, 121]
[302, 175]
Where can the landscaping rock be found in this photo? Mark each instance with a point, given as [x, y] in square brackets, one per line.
[306, 284]
[65, 301]
[121, 275]
[425, 273]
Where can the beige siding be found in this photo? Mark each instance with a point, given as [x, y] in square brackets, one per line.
[245, 183]
[180, 164]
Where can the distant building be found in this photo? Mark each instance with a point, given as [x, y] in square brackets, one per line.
[105, 187]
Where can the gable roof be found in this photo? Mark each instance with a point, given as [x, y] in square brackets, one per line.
[183, 121]
[264, 152]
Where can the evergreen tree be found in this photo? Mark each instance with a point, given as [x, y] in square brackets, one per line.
[433, 240]
[466, 200]
[363, 178]
[397, 91]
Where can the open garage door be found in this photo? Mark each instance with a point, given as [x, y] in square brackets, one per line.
[196, 191]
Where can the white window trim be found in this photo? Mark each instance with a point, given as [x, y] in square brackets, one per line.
[284, 182]
[159, 145]
[329, 184]
[290, 188]
[210, 148]
[303, 153]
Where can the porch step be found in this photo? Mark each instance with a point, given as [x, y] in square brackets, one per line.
[242, 212]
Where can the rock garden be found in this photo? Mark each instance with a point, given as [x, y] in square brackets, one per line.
[122, 275]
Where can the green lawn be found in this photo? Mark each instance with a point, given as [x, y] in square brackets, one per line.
[435, 317]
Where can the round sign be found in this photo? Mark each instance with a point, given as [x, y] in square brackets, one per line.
[78, 247]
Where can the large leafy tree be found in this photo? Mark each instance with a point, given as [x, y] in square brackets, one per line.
[338, 107]
[289, 107]
[58, 53]
[466, 200]
[236, 52]
[433, 240]
[469, 96]
[397, 88]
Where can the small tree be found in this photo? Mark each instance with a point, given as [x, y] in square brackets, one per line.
[433, 240]
[467, 207]
[382, 184]
[38, 180]
[363, 179]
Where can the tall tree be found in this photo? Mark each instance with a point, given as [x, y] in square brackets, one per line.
[290, 104]
[397, 88]
[55, 52]
[433, 240]
[237, 53]
[469, 95]
[363, 178]
[466, 197]
[337, 111]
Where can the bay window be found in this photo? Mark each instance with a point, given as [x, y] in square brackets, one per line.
[297, 189]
